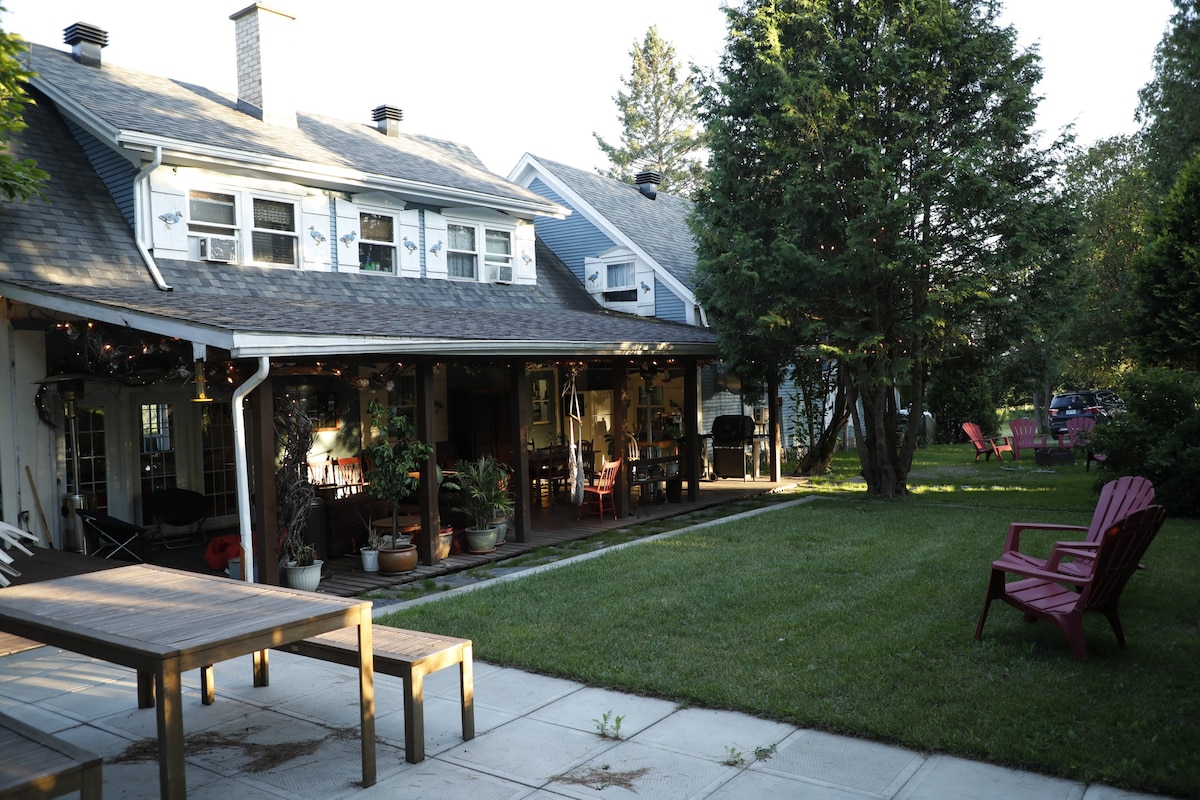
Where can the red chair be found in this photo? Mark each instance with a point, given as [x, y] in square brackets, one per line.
[1079, 432]
[1026, 437]
[603, 489]
[1118, 499]
[986, 446]
[1063, 598]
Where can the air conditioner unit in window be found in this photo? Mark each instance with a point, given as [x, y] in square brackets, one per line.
[218, 248]
[504, 275]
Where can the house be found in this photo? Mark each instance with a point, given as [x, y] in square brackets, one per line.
[630, 246]
[198, 255]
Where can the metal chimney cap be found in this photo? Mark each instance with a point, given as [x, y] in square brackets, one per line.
[85, 32]
[380, 113]
[647, 183]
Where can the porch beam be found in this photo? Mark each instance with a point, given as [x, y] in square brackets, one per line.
[522, 496]
[773, 427]
[266, 525]
[691, 423]
[427, 493]
[620, 442]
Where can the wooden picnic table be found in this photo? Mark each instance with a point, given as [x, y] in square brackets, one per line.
[162, 622]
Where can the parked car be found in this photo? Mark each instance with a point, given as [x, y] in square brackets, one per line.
[1111, 402]
[1076, 404]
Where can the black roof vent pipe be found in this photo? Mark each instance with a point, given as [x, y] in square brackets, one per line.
[86, 41]
[647, 183]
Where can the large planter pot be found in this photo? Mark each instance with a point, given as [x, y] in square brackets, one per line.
[306, 577]
[1053, 457]
[398, 559]
[445, 539]
[481, 540]
[370, 559]
[500, 525]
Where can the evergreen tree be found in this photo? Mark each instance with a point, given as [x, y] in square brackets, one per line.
[660, 128]
[19, 179]
[875, 191]
[1170, 104]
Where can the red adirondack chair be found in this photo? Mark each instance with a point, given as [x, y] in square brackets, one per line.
[1118, 499]
[1079, 434]
[985, 446]
[1026, 437]
[1051, 594]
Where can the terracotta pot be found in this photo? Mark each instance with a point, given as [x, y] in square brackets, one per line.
[398, 559]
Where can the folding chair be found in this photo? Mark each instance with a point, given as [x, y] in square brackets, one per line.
[113, 535]
[178, 508]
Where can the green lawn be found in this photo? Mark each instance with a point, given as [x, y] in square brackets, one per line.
[856, 616]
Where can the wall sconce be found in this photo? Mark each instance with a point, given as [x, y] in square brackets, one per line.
[645, 287]
[201, 384]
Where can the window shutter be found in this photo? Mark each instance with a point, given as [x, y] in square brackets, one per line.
[315, 218]
[523, 245]
[435, 255]
[410, 229]
[347, 222]
[168, 238]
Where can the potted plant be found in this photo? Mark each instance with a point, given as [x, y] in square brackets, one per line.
[294, 493]
[394, 457]
[484, 494]
[370, 551]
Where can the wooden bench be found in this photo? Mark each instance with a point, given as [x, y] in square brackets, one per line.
[36, 764]
[410, 655]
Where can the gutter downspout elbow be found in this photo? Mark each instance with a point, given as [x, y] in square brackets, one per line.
[141, 185]
[241, 465]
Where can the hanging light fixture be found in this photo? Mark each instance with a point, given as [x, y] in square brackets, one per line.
[201, 384]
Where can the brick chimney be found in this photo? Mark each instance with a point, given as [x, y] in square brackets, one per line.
[86, 41]
[387, 119]
[267, 76]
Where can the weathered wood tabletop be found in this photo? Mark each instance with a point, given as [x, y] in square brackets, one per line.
[162, 622]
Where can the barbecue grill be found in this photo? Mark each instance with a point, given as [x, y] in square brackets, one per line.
[731, 434]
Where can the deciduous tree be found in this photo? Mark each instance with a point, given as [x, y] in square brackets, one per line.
[19, 178]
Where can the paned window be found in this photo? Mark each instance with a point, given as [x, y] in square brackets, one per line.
[212, 212]
[498, 255]
[462, 253]
[273, 237]
[620, 283]
[377, 242]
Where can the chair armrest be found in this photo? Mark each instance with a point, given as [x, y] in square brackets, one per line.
[1013, 540]
[1057, 554]
[1030, 571]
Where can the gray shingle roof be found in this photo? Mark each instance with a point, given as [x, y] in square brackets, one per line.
[77, 246]
[133, 101]
[659, 226]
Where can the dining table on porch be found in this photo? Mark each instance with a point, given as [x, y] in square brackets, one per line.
[162, 622]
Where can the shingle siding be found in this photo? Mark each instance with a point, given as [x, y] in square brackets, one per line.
[117, 173]
[572, 239]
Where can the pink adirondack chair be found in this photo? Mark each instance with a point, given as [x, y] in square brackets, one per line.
[1026, 437]
[1118, 498]
[1079, 434]
[1063, 598]
[985, 446]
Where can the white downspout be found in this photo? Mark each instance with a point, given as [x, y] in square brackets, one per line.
[241, 465]
[141, 185]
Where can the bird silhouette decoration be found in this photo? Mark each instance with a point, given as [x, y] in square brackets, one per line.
[409, 244]
[348, 238]
[316, 235]
[171, 217]
[437, 248]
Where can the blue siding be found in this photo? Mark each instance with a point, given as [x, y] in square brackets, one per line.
[117, 173]
[572, 239]
[668, 305]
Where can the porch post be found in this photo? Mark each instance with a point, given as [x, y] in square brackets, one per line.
[691, 427]
[620, 450]
[427, 494]
[773, 426]
[266, 525]
[522, 496]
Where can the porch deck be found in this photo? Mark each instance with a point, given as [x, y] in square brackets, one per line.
[551, 525]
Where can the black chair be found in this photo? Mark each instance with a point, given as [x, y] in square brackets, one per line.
[178, 508]
[112, 534]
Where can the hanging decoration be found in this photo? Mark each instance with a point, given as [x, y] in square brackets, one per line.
[575, 477]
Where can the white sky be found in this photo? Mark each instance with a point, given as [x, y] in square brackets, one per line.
[539, 76]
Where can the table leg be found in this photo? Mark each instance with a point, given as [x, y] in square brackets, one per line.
[262, 669]
[366, 697]
[145, 689]
[171, 770]
[466, 678]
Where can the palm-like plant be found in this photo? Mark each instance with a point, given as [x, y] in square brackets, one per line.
[484, 485]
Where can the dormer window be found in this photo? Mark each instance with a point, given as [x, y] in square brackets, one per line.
[619, 286]
[463, 253]
[273, 236]
[498, 255]
[377, 242]
[217, 222]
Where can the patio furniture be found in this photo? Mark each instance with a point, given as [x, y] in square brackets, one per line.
[184, 621]
[602, 493]
[985, 445]
[1118, 498]
[1026, 437]
[113, 535]
[401, 653]
[731, 434]
[1079, 435]
[36, 764]
[179, 508]
[1062, 598]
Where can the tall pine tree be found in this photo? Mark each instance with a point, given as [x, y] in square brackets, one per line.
[875, 191]
[659, 120]
[1170, 104]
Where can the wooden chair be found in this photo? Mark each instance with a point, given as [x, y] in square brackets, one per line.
[602, 492]
[1026, 437]
[1118, 499]
[1062, 598]
[1079, 434]
[986, 446]
[348, 477]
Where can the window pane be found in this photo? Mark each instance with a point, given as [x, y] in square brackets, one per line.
[461, 265]
[210, 207]
[273, 215]
[273, 248]
[461, 237]
[620, 276]
[498, 243]
[376, 257]
[376, 227]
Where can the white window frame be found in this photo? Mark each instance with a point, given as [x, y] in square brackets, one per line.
[486, 264]
[609, 286]
[394, 244]
[243, 228]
